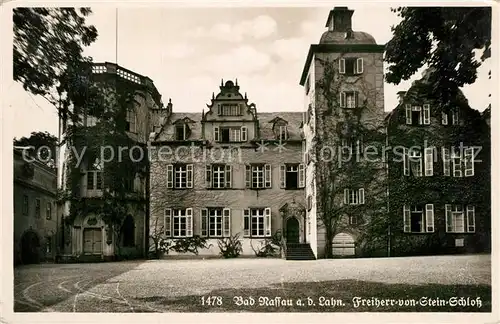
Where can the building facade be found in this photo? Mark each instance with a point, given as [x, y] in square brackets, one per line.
[36, 221]
[228, 171]
[87, 236]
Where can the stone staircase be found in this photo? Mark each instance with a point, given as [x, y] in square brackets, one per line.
[299, 251]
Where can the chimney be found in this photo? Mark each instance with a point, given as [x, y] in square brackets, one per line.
[340, 19]
[401, 96]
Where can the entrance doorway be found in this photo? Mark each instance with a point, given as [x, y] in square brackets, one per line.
[30, 248]
[292, 230]
[92, 241]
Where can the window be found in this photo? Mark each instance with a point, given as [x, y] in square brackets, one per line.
[131, 119]
[229, 110]
[26, 205]
[230, 134]
[461, 161]
[418, 218]
[181, 132]
[283, 133]
[38, 208]
[292, 176]
[180, 176]
[179, 222]
[258, 176]
[453, 115]
[413, 164]
[351, 66]
[48, 244]
[48, 211]
[257, 222]
[216, 222]
[353, 219]
[460, 219]
[94, 175]
[348, 99]
[309, 202]
[354, 196]
[418, 115]
[218, 176]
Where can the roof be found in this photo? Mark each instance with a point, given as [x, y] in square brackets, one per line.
[266, 123]
[352, 37]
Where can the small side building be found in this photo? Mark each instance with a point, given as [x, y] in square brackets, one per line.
[35, 219]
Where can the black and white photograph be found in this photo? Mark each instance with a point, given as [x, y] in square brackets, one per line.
[187, 158]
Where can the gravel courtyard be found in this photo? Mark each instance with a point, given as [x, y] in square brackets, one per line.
[180, 285]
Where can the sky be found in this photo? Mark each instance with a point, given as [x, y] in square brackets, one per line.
[187, 51]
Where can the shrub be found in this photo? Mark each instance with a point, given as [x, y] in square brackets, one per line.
[230, 247]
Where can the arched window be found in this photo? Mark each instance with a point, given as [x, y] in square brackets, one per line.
[128, 232]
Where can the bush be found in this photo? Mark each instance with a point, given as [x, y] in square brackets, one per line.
[270, 247]
[230, 247]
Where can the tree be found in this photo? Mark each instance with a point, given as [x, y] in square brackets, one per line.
[444, 38]
[342, 168]
[43, 145]
[46, 42]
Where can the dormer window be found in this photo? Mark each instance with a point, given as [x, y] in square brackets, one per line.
[450, 118]
[230, 134]
[283, 133]
[181, 132]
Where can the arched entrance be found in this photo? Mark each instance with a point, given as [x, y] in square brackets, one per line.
[292, 230]
[343, 244]
[30, 248]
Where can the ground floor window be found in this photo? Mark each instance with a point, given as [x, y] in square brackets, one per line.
[257, 222]
[460, 218]
[215, 222]
[178, 222]
[418, 218]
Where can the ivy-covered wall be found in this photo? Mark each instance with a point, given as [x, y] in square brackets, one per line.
[438, 189]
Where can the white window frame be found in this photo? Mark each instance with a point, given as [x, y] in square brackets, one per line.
[427, 218]
[176, 215]
[354, 196]
[456, 214]
[426, 114]
[446, 161]
[429, 161]
[94, 175]
[184, 131]
[131, 118]
[455, 116]
[256, 171]
[176, 171]
[48, 210]
[262, 216]
[444, 118]
[283, 133]
[415, 156]
[244, 134]
[359, 65]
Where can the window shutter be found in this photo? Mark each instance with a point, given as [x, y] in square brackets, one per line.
[455, 118]
[449, 221]
[408, 114]
[342, 99]
[471, 219]
[226, 222]
[429, 217]
[359, 65]
[356, 99]
[446, 161]
[282, 176]
[406, 162]
[302, 176]
[248, 176]
[204, 222]
[427, 114]
[228, 176]
[170, 176]
[361, 193]
[346, 196]
[406, 219]
[444, 118]
[216, 134]
[189, 178]
[267, 222]
[219, 109]
[469, 161]
[189, 222]
[246, 222]
[168, 222]
[267, 175]
[244, 134]
[342, 66]
[208, 176]
[456, 162]
[429, 161]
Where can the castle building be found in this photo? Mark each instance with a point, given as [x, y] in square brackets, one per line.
[231, 172]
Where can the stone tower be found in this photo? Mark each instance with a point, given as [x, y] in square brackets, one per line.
[343, 76]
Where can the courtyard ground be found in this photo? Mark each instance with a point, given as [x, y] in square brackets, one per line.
[424, 284]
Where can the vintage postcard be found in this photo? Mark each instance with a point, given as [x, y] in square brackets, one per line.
[205, 161]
